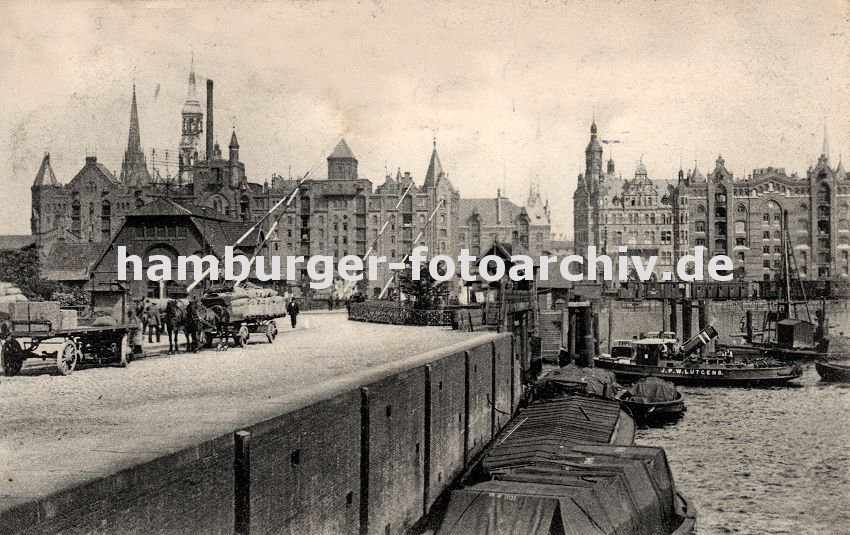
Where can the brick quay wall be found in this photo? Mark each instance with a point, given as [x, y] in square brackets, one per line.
[634, 317]
[366, 458]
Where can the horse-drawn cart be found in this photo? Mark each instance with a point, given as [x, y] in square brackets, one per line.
[242, 330]
[216, 319]
[68, 348]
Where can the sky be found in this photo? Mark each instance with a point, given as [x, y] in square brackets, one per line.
[508, 90]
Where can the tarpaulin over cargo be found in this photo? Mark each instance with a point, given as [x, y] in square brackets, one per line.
[547, 427]
[572, 379]
[652, 389]
[481, 512]
[645, 490]
[602, 489]
[599, 507]
[653, 459]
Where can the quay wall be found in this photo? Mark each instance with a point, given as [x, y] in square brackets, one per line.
[631, 318]
[369, 458]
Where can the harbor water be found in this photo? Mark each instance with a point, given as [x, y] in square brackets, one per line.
[763, 461]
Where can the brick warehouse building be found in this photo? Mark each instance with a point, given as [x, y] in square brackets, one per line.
[339, 215]
[741, 218]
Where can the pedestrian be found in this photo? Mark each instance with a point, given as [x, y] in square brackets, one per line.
[153, 322]
[142, 314]
[135, 332]
[331, 302]
[293, 310]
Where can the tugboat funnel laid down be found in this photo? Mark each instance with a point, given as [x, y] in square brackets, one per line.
[699, 341]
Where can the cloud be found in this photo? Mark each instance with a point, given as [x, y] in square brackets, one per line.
[668, 80]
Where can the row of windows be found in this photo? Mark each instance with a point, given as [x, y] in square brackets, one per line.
[160, 231]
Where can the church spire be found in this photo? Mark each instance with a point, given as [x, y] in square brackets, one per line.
[192, 92]
[192, 116]
[134, 141]
[45, 176]
[825, 148]
[435, 168]
[134, 168]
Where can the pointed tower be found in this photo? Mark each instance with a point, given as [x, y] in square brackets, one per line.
[593, 159]
[696, 175]
[234, 148]
[134, 169]
[840, 173]
[192, 116]
[237, 169]
[825, 149]
[44, 188]
[589, 209]
[435, 169]
[45, 176]
[342, 165]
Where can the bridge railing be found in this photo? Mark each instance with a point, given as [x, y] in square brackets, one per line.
[396, 313]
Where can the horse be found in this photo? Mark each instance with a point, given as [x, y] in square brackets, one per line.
[215, 316]
[175, 320]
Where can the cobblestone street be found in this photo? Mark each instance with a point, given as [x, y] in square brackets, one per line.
[59, 431]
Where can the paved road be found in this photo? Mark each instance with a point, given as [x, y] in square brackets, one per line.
[111, 418]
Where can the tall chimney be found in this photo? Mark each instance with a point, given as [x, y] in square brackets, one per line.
[210, 138]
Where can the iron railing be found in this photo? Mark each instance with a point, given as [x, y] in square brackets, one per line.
[397, 313]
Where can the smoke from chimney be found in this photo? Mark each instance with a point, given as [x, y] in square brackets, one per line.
[210, 137]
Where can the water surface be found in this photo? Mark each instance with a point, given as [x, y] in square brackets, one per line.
[766, 461]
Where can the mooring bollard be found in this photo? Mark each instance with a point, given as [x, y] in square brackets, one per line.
[703, 322]
[571, 335]
[687, 318]
[596, 350]
[589, 342]
[674, 316]
[749, 325]
[242, 483]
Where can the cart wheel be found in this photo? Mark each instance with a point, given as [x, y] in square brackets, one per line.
[242, 337]
[66, 359]
[11, 359]
[124, 352]
[271, 331]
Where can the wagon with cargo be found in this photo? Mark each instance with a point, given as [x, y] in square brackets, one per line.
[41, 330]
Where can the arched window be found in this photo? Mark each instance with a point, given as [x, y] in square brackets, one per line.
[475, 236]
[105, 220]
[823, 193]
[245, 208]
[75, 217]
[523, 231]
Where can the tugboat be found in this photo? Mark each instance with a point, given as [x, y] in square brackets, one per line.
[658, 357]
[833, 373]
[785, 335]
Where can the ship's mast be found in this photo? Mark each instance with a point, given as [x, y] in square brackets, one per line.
[785, 267]
[787, 260]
